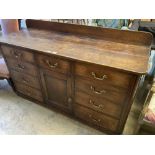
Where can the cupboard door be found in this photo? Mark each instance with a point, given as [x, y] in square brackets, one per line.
[57, 88]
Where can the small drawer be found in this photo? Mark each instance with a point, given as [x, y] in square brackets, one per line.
[22, 67]
[28, 91]
[25, 79]
[102, 91]
[95, 118]
[98, 104]
[103, 75]
[54, 64]
[18, 54]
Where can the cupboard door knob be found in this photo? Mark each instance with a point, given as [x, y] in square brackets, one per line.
[97, 92]
[69, 100]
[98, 78]
[51, 65]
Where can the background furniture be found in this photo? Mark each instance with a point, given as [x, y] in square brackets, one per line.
[9, 25]
[141, 25]
[4, 73]
[112, 23]
[86, 72]
[146, 121]
[148, 26]
[146, 89]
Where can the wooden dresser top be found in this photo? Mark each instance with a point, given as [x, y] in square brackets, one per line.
[130, 54]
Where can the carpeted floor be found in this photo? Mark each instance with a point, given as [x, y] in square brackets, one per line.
[20, 116]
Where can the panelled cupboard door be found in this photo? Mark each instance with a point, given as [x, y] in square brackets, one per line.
[57, 89]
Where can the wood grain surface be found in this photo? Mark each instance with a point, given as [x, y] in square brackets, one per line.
[129, 56]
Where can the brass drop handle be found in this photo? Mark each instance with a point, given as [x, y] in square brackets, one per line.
[16, 54]
[21, 66]
[98, 78]
[51, 65]
[25, 81]
[97, 92]
[99, 106]
[94, 119]
[69, 100]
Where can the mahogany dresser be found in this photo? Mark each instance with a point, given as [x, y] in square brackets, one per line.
[89, 73]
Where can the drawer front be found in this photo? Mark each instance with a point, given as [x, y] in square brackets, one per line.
[103, 75]
[95, 118]
[25, 79]
[98, 104]
[28, 91]
[22, 67]
[111, 93]
[54, 64]
[18, 54]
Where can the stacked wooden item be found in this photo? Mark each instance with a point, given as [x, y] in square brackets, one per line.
[146, 121]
